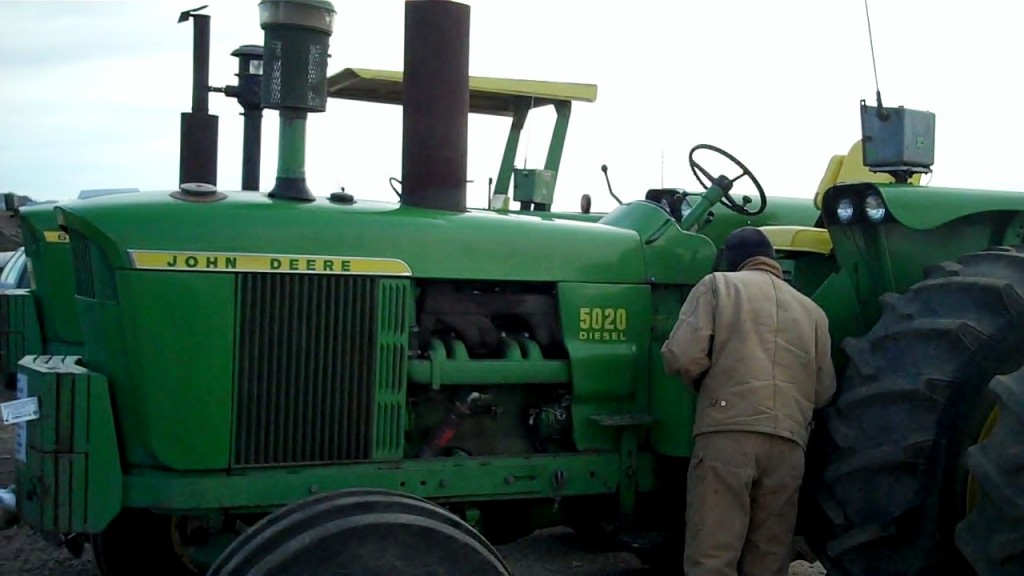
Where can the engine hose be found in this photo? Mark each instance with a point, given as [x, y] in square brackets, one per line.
[443, 433]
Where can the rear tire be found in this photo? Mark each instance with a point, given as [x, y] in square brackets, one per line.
[889, 486]
[992, 535]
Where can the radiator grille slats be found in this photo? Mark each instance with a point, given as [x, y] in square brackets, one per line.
[85, 285]
[391, 376]
[306, 369]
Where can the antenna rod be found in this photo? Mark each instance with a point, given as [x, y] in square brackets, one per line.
[874, 66]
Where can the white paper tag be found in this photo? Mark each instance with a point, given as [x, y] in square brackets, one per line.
[21, 434]
[22, 410]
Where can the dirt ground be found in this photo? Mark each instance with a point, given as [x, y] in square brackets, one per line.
[546, 553]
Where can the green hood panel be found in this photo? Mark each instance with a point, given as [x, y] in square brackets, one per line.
[433, 244]
[925, 207]
[50, 258]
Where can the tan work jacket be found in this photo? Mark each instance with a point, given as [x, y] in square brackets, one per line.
[757, 351]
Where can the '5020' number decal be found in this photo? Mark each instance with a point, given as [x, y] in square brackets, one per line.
[603, 324]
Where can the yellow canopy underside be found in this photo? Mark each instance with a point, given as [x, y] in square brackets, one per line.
[494, 96]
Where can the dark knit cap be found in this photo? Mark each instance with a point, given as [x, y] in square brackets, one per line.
[745, 243]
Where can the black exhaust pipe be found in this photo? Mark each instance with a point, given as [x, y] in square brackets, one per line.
[435, 104]
[198, 161]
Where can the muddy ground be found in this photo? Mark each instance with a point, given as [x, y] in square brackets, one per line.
[546, 553]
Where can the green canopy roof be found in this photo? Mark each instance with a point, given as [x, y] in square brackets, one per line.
[493, 96]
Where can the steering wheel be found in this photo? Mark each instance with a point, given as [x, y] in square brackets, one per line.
[727, 200]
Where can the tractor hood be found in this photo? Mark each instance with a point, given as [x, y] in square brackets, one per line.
[242, 231]
[50, 263]
[926, 207]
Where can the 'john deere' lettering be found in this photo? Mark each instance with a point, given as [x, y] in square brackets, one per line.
[217, 262]
[311, 264]
[192, 261]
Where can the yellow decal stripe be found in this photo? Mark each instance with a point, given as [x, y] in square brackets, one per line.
[282, 263]
[55, 236]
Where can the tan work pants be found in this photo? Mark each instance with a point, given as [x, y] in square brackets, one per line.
[741, 504]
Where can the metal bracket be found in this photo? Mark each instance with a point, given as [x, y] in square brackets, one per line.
[184, 16]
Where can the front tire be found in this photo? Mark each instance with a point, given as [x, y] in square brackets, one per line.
[889, 487]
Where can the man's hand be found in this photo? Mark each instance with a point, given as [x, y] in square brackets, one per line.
[687, 350]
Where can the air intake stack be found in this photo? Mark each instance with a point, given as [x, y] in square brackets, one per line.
[435, 104]
[295, 43]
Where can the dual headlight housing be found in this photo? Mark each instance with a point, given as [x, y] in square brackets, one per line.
[870, 207]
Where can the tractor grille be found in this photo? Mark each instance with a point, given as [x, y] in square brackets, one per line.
[391, 368]
[5, 315]
[82, 262]
[16, 311]
[319, 368]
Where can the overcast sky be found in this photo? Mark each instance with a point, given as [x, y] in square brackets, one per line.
[91, 91]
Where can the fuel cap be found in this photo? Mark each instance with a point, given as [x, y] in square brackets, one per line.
[198, 192]
[198, 189]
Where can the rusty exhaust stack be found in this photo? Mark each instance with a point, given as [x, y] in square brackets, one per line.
[435, 104]
[198, 146]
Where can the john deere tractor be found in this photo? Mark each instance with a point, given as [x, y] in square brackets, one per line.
[278, 381]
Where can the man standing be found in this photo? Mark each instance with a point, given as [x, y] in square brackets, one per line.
[758, 354]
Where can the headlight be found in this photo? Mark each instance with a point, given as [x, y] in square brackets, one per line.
[844, 211]
[874, 207]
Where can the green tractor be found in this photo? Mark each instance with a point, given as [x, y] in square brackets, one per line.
[275, 382]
